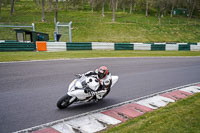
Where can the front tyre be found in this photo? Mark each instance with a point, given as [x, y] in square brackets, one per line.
[64, 102]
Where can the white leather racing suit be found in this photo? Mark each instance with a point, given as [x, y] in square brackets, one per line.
[105, 84]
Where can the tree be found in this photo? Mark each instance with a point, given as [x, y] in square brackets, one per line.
[124, 5]
[116, 3]
[103, 3]
[12, 7]
[43, 11]
[161, 6]
[173, 3]
[192, 5]
[50, 5]
[76, 3]
[147, 8]
[37, 2]
[1, 2]
[56, 12]
[114, 6]
[131, 6]
[92, 5]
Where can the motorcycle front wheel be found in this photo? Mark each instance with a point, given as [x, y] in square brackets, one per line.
[64, 102]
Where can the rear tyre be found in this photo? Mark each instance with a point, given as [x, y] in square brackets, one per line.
[64, 102]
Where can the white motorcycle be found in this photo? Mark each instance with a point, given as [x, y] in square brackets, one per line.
[76, 91]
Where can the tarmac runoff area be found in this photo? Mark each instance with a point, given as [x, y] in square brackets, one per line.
[100, 119]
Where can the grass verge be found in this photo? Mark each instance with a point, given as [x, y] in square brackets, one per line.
[88, 27]
[180, 117]
[25, 56]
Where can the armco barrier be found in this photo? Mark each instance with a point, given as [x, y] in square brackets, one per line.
[171, 47]
[103, 46]
[124, 46]
[79, 46]
[192, 43]
[56, 46]
[10, 40]
[184, 47]
[139, 46]
[41, 46]
[17, 46]
[158, 47]
[160, 43]
[182, 43]
[63, 46]
[194, 47]
[132, 46]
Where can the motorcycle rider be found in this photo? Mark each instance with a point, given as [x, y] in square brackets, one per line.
[104, 77]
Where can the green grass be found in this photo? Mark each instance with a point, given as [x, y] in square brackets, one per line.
[24, 56]
[88, 27]
[180, 117]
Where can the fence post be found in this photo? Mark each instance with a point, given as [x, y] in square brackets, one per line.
[33, 25]
[57, 27]
[70, 32]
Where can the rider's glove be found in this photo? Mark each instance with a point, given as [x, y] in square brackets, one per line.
[78, 75]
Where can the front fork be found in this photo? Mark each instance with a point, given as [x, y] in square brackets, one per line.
[72, 99]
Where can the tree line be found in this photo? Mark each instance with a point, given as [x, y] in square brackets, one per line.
[157, 7]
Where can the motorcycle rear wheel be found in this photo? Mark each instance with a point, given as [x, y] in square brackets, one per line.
[64, 102]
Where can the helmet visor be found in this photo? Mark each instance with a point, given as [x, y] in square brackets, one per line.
[101, 75]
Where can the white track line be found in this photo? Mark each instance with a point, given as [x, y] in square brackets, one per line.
[167, 57]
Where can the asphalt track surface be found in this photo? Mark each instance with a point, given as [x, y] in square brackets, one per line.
[29, 90]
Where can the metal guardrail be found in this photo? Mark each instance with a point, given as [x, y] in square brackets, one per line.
[19, 26]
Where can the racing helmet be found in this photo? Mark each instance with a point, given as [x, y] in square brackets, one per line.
[102, 72]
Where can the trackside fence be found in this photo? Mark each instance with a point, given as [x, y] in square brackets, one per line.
[17, 46]
[67, 46]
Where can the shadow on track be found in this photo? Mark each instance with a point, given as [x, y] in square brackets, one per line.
[89, 106]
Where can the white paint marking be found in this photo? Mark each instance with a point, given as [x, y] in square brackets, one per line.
[155, 102]
[90, 123]
[63, 128]
[105, 119]
[191, 89]
[99, 58]
[86, 124]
